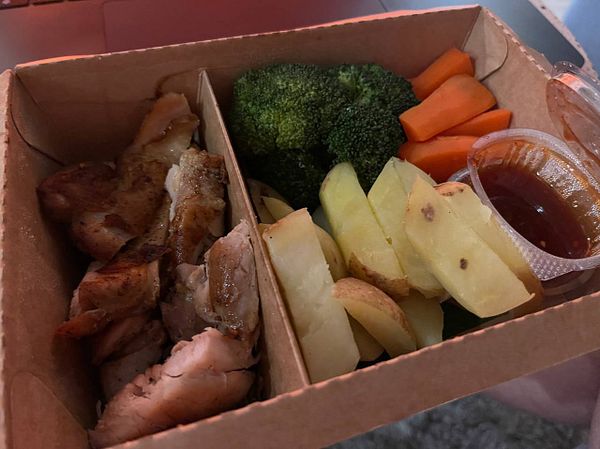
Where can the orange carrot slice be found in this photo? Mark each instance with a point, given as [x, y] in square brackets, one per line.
[459, 99]
[452, 62]
[482, 124]
[440, 156]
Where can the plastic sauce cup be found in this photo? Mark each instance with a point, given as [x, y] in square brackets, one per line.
[569, 168]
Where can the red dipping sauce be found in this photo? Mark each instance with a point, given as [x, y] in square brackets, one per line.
[535, 210]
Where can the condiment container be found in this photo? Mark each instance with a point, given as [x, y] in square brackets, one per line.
[545, 191]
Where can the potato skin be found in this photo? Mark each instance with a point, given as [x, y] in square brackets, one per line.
[368, 254]
[377, 313]
[388, 198]
[368, 347]
[396, 288]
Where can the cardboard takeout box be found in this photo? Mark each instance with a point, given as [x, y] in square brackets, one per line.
[54, 113]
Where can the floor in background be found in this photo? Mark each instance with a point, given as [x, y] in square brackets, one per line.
[476, 422]
[558, 7]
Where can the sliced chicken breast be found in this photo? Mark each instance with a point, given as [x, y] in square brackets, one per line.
[202, 377]
[88, 186]
[127, 285]
[231, 301]
[138, 354]
[107, 206]
[142, 172]
[197, 190]
[222, 293]
[118, 334]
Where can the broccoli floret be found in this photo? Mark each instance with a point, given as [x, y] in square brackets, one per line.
[297, 175]
[284, 107]
[291, 122]
[366, 135]
[372, 84]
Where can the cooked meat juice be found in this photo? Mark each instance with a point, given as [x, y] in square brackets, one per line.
[535, 211]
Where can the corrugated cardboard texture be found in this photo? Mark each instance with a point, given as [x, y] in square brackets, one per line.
[5, 84]
[95, 105]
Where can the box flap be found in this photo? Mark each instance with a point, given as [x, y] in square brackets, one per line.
[522, 82]
[31, 124]
[42, 420]
[487, 46]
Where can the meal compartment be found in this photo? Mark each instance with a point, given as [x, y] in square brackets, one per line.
[52, 376]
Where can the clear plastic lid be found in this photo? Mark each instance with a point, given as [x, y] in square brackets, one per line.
[571, 167]
[573, 99]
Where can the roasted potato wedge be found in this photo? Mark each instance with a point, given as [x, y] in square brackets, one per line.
[425, 316]
[467, 206]
[464, 264]
[408, 172]
[257, 190]
[262, 227]
[332, 253]
[320, 219]
[279, 209]
[377, 313]
[368, 254]
[368, 347]
[321, 324]
[276, 207]
[388, 198]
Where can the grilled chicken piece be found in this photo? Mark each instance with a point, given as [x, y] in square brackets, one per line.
[166, 109]
[197, 189]
[78, 306]
[84, 318]
[127, 285]
[231, 302]
[118, 334]
[85, 187]
[142, 171]
[100, 238]
[142, 351]
[202, 377]
[223, 292]
[179, 314]
[107, 207]
[85, 324]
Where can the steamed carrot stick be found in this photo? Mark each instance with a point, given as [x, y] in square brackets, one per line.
[440, 156]
[452, 62]
[459, 99]
[482, 124]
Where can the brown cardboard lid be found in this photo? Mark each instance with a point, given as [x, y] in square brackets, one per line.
[573, 99]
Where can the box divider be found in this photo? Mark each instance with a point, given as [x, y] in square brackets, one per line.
[284, 358]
